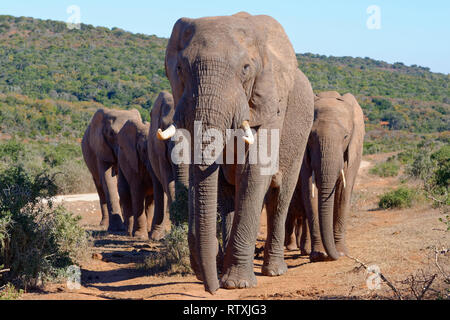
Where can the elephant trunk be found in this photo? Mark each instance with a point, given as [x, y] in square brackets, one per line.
[215, 108]
[327, 176]
[205, 182]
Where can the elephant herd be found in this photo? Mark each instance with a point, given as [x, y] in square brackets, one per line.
[236, 73]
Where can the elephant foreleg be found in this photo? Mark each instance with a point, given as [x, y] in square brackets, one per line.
[342, 206]
[125, 202]
[140, 219]
[149, 210]
[238, 263]
[312, 214]
[109, 184]
[303, 238]
[225, 203]
[158, 228]
[192, 237]
[103, 205]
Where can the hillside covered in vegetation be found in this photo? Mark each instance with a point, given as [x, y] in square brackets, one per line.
[52, 79]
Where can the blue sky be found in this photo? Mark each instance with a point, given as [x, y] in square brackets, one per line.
[412, 32]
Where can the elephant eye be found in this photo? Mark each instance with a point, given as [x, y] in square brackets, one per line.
[246, 69]
[346, 136]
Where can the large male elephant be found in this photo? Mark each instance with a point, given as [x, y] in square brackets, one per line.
[136, 179]
[99, 146]
[237, 72]
[159, 153]
[331, 163]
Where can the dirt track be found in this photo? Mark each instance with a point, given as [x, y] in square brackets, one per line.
[399, 242]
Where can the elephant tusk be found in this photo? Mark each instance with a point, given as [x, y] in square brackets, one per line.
[313, 185]
[166, 134]
[248, 134]
[343, 177]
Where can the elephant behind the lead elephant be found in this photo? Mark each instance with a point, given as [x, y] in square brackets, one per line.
[100, 150]
[136, 179]
[159, 153]
[331, 164]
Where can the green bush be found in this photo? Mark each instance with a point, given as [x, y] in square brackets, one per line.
[37, 240]
[9, 292]
[174, 255]
[431, 165]
[389, 168]
[442, 161]
[400, 198]
[179, 209]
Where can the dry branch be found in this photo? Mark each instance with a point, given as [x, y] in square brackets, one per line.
[382, 277]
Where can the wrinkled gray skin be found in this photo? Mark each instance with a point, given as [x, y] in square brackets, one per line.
[136, 179]
[335, 144]
[100, 150]
[159, 153]
[223, 71]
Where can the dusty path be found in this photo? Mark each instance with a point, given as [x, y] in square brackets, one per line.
[399, 242]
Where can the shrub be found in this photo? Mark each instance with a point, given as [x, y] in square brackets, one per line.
[179, 209]
[388, 168]
[174, 255]
[37, 241]
[400, 198]
[442, 160]
[9, 292]
[433, 169]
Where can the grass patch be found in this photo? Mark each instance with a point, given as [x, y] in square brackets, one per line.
[400, 198]
[389, 168]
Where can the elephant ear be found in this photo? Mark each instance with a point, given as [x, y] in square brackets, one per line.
[127, 139]
[97, 129]
[155, 113]
[277, 69]
[356, 143]
[167, 111]
[264, 102]
[181, 35]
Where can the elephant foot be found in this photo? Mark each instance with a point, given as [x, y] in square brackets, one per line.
[129, 231]
[318, 256]
[115, 223]
[141, 235]
[157, 235]
[238, 277]
[304, 252]
[104, 223]
[275, 267]
[291, 246]
[291, 243]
